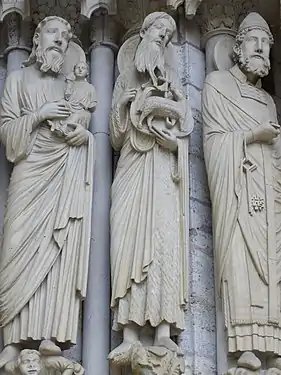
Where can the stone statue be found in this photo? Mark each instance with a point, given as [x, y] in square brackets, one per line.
[45, 249]
[151, 120]
[46, 360]
[80, 99]
[242, 150]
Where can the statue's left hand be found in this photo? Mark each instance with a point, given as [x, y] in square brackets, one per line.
[78, 136]
[166, 139]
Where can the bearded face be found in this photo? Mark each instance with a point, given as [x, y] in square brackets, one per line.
[254, 53]
[48, 60]
[149, 57]
[30, 363]
[51, 46]
[150, 52]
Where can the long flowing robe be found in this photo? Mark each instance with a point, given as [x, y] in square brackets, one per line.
[246, 209]
[45, 249]
[149, 222]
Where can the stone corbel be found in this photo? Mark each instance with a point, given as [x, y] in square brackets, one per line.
[88, 7]
[190, 6]
[22, 7]
[150, 360]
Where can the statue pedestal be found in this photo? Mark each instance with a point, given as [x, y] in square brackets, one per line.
[150, 360]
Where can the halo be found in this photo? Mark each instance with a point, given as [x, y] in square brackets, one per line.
[127, 51]
[74, 54]
[223, 51]
[126, 55]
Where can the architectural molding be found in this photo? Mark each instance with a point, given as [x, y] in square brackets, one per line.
[22, 7]
[104, 30]
[18, 32]
[88, 7]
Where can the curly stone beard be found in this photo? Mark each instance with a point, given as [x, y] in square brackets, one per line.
[150, 56]
[49, 60]
[258, 66]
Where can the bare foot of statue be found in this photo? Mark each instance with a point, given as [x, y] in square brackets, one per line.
[169, 344]
[9, 353]
[121, 349]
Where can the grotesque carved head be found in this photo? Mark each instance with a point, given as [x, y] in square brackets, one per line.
[50, 42]
[29, 362]
[252, 47]
[156, 32]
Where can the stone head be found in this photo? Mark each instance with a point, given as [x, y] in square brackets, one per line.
[81, 70]
[158, 28]
[156, 32]
[53, 33]
[253, 43]
[29, 362]
[50, 43]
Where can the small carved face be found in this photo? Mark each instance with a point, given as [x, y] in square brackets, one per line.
[81, 70]
[54, 36]
[256, 45]
[30, 363]
[160, 32]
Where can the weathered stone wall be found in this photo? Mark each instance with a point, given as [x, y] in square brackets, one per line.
[199, 338]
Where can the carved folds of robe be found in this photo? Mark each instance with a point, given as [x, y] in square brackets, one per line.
[149, 226]
[245, 188]
[44, 257]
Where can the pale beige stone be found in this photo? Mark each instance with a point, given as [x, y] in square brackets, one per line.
[150, 360]
[45, 249]
[43, 361]
[150, 124]
[247, 364]
[249, 361]
[242, 155]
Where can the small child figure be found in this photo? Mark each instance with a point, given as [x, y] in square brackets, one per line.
[80, 98]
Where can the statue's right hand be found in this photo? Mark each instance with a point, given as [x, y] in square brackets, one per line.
[53, 110]
[266, 132]
[128, 96]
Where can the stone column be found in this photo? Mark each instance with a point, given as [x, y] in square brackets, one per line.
[96, 324]
[3, 168]
[218, 30]
[19, 39]
[198, 340]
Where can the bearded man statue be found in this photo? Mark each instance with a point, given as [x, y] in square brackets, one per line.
[151, 120]
[45, 249]
[243, 159]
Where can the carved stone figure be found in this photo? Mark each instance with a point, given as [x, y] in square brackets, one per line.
[80, 99]
[151, 120]
[46, 360]
[154, 360]
[45, 249]
[243, 158]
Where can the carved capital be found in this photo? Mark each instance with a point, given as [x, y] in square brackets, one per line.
[19, 33]
[217, 16]
[104, 31]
